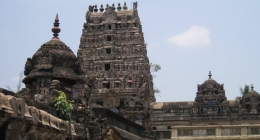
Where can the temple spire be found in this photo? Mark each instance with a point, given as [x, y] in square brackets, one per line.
[210, 75]
[56, 28]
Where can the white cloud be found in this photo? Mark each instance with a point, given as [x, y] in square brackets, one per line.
[196, 36]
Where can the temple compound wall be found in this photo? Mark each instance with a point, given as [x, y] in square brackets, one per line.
[209, 116]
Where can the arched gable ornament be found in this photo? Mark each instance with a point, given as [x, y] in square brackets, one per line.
[123, 18]
[96, 20]
[110, 15]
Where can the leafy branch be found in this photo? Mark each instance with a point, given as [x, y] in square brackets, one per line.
[245, 90]
[155, 68]
[63, 107]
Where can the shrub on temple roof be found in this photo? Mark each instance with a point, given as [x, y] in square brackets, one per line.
[63, 107]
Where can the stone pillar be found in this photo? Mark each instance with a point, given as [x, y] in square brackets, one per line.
[244, 131]
[218, 131]
[174, 133]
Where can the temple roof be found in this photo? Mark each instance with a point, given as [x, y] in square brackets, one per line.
[210, 80]
[53, 59]
[112, 14]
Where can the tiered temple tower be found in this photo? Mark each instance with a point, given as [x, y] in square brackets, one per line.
[114, 61]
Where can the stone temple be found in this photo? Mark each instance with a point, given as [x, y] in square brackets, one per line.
[209, 116]
[107, 86]
[108, 92]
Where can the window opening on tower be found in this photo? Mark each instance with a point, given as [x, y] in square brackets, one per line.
[108, 50]
[107, 67]
[108, 38]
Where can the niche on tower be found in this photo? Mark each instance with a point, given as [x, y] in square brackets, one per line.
[108, 50]
[109, 38]
[107, 67]
[109, 27]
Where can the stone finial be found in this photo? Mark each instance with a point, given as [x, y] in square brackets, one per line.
[90, 8]
[107, 6]
[119, 7]
[104, 83]
[117, 82]
[252, 87]
[95, 8]
[135, 5]
[113, 6]
[101, 9]
[130, 81]
[56, 28]
[210, 75]
[125, 7]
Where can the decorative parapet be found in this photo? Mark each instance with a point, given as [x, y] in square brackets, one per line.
[210, 132]
[16, 110]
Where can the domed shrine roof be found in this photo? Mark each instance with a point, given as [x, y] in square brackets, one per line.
[53, 59]
[210, 80]
[211, 89]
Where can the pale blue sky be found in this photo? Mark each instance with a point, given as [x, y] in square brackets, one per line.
[221, 36]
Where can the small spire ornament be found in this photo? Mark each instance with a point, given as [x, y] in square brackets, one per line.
[104, 83]
[95, 8]
[210, 75]
[125, 7]
[101, 9]
[252, 87]
[130, 81]
[56, 28]
[119, 7]
[113, 6]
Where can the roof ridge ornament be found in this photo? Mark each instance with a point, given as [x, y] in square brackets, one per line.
[252, 87]
[95, 8]
[125, 7]
[135, 5]
[210, 74]
[119, 7]
[56, 28]
[113, 6]
[101, 8]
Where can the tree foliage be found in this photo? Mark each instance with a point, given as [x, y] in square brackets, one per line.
[155, 68]
[63, 107]
[245, 90]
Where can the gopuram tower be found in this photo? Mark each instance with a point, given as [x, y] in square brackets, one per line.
[114, 61]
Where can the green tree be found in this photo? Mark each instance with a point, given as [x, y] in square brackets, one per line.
[155, 68]
[245, 90]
